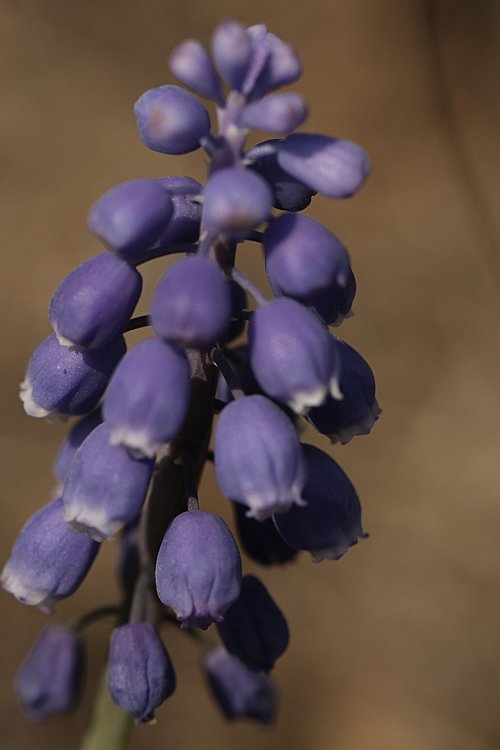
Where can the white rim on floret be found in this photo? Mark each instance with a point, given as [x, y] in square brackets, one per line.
[93, 521]
[67, 342]
[31, 407]
[335, 391]
[137, 442]
[302, 401]
[264, 505]
[14, 584]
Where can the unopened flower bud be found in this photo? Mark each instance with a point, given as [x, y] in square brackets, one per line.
[191, 65]
[171, 120]
[140, 673]
[239, 691]
[279, 114]
[192, 303]
[254, 628]
[292, 355]
[148, 397]
[332, 166]
[258, 457]
[330, 522]
[282, 65]
[93, 304]
[198, 569]
[49, 680]
[129, 218]
[358, 411]
[232, 52]
[105, 487]
[62, 381]
[75, 438]
[184, 223]
[235, 201]
[260, 540]
[48, 560]
[302, 256]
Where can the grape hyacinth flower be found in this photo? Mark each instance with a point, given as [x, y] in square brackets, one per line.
[220, 358]
[49, 680]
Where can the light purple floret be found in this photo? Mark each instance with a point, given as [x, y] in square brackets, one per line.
[49, 679]
[148, 397]
[258, 457]
[93, 304]
[48, 560]
[292, 355]
[239, 691]
[192, 303]
[191, 65]
[105, 487]
[282, 64]
[334, 167]
[62, 381]
[184, 224]
[140, 673]
[278, 114]
[171, 120]
[78, 433]
[129, 218]
[302, 256]
[235, 201]
[198, 569]
[232, 52]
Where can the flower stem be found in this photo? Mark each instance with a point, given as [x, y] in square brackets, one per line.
[109, 728]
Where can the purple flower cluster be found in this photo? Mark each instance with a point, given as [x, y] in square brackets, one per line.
[150, 432]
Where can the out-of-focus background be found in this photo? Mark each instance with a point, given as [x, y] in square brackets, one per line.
[397, 645]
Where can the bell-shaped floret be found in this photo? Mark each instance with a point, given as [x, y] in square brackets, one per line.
[302, 256]
[191, 65]
[105, 487]
[279, 114]
[129, 218]
[332, 166]
[75, 438]
[258, 457]
[239, 692]
[192, 303]
[140, 673]
[48, 560]
[49, 679]
[288, 193]
[171, 120]
[254, 628]
[358, 411]
[260, 540]
[282, 66]
[198, 569]
[330, 522]
[235, 201]
[148, 397]
[93, 304]
[232, 52]
[184, 224]
[293, 356]
[62, 381]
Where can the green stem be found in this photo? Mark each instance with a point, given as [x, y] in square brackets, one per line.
[109, 728]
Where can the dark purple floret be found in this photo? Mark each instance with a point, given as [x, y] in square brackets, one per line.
[198, 569]
[254, 628]
[330, 522]
[358, 411]
[75, 438]
[49, 680]
[93, 304]
[129, 218]
[289, 194]
[140, 673]
[62, 381]
[239, 691]
[48, 561]
[260, 540]
[184, 224]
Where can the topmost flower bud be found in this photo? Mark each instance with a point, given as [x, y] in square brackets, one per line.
[191, 65]
[232, 52]
[282, 65]
[171, 120]
[331, 166]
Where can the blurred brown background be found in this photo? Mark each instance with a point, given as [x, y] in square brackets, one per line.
[397, 645]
